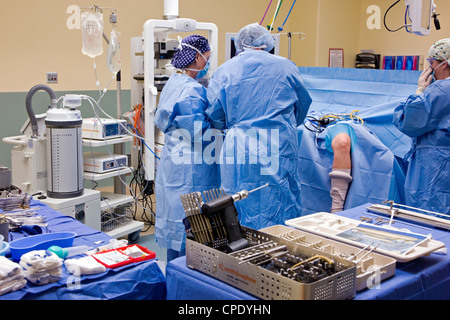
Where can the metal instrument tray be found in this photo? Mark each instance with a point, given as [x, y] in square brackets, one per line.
[237, 269]
[371, 268]
[401, 245]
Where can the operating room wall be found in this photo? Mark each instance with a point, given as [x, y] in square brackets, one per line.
[400, 42]
[36, 39]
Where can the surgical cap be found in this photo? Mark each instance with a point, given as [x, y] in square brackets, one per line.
[440, 50]
[186, 53]
[254, 36]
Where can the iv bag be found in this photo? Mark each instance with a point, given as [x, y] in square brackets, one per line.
[114, 58]
[92, 33]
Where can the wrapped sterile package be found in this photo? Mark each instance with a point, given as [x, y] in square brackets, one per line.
[84, 266]
[41, 266]
[12, 277]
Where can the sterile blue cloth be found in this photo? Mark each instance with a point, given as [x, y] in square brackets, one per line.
[426, 278]
[372, 95]
[426, 118]
[183, 167]
[184, 283]
[143, 280]
[375, 93]
[260, 99]
[376, 174]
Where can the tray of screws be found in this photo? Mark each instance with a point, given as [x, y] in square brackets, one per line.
[276, 268]
[371, 267]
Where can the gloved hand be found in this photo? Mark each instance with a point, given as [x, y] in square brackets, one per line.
[424, 80]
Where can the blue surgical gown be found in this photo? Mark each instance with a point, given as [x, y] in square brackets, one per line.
[260, 99]
[182, 168]
[426, 118]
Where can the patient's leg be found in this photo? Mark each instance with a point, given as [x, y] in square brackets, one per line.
[340, 174]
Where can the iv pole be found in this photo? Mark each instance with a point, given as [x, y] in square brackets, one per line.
[302, 36]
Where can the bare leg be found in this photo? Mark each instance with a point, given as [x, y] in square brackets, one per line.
[340, 174]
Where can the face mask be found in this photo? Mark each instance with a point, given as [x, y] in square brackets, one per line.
[203, 72]
[432, 74]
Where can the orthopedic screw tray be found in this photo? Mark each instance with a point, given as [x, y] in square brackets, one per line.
[259, 263]
[274, 268]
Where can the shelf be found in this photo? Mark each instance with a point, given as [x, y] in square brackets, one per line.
[106, 142]
[113, 200]
[100, 176]
[126, 229]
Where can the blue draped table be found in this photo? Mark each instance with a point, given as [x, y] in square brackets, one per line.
[137, 281]
[425, 278]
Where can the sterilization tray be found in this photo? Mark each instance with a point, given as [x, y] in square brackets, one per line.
[232, 269]
[371, 270]
[399, 244]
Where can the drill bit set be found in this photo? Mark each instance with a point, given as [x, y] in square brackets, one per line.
[204, 229]
[212, 219]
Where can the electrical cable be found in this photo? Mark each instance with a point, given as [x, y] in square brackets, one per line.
[270, 3]
[404, 26]
[88, 98]
[270, 27]
[318, 125]
[140, 171]
[287, 17]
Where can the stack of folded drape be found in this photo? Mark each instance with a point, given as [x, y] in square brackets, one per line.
[41, 266]
[12, 277]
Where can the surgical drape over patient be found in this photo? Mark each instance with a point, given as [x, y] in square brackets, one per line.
[260, 100]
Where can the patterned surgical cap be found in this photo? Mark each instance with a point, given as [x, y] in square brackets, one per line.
[440, 50]
[185, 54]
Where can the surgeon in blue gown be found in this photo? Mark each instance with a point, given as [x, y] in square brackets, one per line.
[425, 116]
[259, 99]
[181, 117]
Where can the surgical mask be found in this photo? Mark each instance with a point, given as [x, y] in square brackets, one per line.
[432, 74]
[203, 72]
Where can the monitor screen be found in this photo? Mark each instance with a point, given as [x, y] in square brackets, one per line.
[230, 49]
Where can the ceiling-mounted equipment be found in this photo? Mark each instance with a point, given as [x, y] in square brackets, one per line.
[417, 18]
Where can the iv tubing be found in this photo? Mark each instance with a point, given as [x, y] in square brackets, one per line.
[281, 28]
[270, 3]
[275, 15]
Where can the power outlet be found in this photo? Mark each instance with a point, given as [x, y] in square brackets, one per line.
[52, 77]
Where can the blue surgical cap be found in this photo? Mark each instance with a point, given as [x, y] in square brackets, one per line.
[186, 53]
[254, 36]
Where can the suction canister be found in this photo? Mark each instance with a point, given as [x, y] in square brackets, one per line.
[64, 143]
[64, 153]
